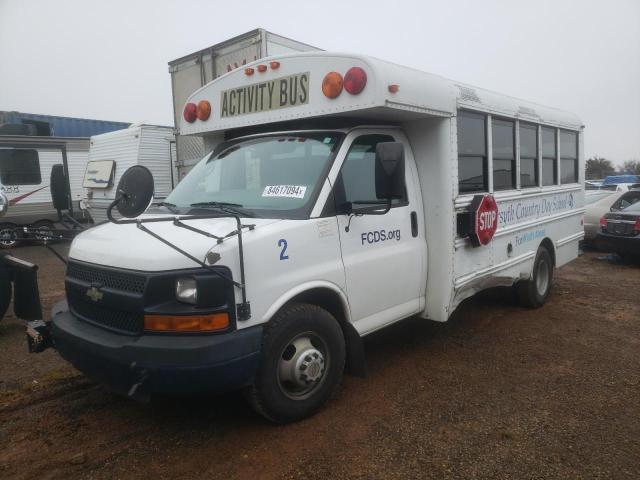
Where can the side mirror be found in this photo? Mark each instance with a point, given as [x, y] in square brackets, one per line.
[4, 204]
[59, 193]
[389, 170]
[134, 193]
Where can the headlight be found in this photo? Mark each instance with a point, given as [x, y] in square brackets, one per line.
[186, 290]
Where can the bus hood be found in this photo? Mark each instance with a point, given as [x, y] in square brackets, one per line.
[127, 246]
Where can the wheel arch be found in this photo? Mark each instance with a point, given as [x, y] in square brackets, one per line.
[330, 297]
[548, 244]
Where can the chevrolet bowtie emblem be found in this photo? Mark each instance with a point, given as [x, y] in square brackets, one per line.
[94, 294]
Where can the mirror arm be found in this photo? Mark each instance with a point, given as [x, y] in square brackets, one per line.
[121, 195]
[368, 211]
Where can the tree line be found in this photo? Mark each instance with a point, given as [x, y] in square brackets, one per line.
[599, 167]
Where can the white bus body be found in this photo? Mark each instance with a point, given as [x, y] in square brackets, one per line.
[366, 270]
[151, 146]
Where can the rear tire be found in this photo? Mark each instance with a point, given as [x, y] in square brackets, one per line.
[533, 293]
[9, 236]
[303, 356]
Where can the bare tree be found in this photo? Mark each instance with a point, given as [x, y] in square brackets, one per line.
[631, 167]
[598, 167]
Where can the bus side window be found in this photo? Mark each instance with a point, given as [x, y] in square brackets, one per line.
[472, 152]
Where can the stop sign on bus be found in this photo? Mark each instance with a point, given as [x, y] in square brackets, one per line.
[484, 210]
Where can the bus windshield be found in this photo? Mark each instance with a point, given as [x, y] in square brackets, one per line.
[273, 176]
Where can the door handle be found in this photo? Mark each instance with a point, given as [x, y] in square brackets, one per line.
[414, 224]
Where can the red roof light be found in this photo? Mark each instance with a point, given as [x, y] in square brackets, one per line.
[190, 112]
[355, 80]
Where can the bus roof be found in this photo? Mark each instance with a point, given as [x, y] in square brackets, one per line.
[289, 87]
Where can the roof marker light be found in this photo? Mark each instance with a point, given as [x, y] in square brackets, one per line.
[332, 85]
[190, 113]
[262, 68]
[394, 88]
[249, 71]
[274, 65]
[203, 110]
[355, 80]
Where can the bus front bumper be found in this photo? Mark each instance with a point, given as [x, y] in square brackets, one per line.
[139, 366]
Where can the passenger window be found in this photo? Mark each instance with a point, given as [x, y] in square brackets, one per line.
[528, 155]
[357, 180]
[504, 157]
[19, 167]
[472, 152]
[568, 157]
[549, 156]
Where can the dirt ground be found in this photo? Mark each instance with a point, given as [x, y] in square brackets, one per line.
[497, 392]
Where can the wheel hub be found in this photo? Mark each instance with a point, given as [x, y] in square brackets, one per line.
[309, 367]
[302, 367]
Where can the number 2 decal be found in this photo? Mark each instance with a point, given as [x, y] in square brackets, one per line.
[283, 243]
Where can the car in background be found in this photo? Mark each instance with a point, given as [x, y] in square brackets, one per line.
[620, 231]
[597, 203]
[600, 202]
[620, 182]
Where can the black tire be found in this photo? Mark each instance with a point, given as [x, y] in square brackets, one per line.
[533, 293]
[299, 335]
[9, 235]
[5, 290]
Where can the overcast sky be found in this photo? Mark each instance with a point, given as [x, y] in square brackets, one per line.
[108, 59]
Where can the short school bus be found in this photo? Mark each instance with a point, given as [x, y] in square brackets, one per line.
[364, 192]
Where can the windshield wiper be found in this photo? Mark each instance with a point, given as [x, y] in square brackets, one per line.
[171, 206]
[228, 207]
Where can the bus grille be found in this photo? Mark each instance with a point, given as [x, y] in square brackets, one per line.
[129, 322]
[118, 280]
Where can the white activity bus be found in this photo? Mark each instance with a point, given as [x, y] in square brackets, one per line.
[365, 192]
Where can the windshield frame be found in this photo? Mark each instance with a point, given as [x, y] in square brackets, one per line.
[301, 213]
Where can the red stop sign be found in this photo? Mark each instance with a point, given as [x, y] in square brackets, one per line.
[484, 211]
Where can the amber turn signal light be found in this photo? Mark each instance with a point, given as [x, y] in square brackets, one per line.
[332, 85]
[186, 323]
[203, 110]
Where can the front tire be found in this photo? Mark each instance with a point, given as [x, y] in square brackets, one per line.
[303, 355]
[533, 293]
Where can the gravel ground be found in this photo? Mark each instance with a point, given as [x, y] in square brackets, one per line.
[496, 392]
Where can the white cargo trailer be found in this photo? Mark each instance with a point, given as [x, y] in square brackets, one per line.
[111, 154]
[195, 70]
[25, 171]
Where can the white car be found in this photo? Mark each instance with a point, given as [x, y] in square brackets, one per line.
[599, 202]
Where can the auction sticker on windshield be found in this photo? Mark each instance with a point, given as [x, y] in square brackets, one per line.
[274, 94]
[289, 191]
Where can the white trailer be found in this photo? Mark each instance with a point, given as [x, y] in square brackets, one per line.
[25, 170]
[151, 146]
[190, 72]
[341, 194]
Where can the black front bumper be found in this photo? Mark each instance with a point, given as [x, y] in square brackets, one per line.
[618, 244]
[158, 363]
